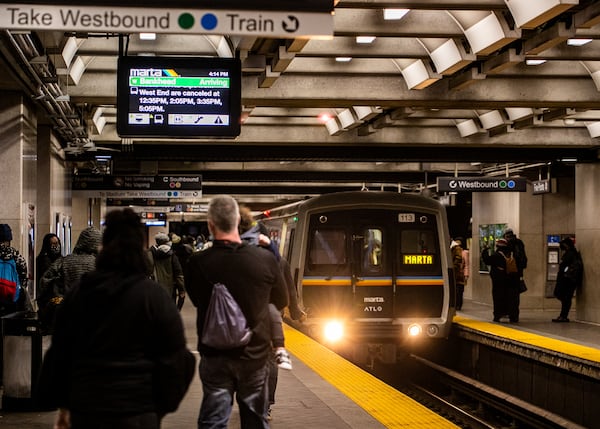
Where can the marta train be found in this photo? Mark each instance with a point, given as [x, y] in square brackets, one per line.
[372, 269]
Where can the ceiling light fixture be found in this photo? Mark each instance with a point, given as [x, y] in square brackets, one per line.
[578, 42]
[534, 62]
[147, 36]
[365, 39]
[343, 59]
[394, 14]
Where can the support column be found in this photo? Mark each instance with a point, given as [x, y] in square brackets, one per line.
[17, 131]
[587, 230]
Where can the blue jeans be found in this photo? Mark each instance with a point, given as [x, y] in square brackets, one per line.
[222, 377]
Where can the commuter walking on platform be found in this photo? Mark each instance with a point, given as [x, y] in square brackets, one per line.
[569, 279]
[65, 273]
[255, 233]
[118, 357]
[12, 256]
[182, 248]
[459, 270]
[165, 268]
[505, 281]
[253, 277]
[49, 253]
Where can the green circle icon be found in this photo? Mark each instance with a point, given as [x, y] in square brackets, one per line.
[502, 184]
[186, 21]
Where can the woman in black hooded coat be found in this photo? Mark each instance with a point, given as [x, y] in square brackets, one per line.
[118, 357]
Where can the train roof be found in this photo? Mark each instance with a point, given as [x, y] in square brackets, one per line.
[353, 198]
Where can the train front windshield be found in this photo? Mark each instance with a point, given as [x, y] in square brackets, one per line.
[373, 265]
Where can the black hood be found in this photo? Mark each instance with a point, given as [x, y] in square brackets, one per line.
[104, 286]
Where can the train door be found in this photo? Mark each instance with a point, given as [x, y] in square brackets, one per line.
[372, 272]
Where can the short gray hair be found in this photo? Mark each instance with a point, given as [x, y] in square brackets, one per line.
[224, 213]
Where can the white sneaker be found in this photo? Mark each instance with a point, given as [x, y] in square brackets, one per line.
[283, 359]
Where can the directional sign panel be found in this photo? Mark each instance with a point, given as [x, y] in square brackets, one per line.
[92, 19]
[148, 187]
[482, 184]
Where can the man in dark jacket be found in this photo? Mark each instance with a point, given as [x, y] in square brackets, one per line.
[253, 277]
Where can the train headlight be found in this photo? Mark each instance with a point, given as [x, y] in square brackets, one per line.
[334, 331]
[432, 330]
[414, 330]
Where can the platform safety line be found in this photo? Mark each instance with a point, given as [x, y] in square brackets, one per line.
[552, 344]
[390, 407]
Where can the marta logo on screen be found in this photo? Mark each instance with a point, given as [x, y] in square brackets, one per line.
[153, 72]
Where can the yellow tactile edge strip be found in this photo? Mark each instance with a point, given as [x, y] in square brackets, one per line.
[565, 347]
[385, 404]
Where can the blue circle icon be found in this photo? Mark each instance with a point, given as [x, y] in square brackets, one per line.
[209, 21]
[511, 184]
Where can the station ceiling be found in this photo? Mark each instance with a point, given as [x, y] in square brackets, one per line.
[448, 89]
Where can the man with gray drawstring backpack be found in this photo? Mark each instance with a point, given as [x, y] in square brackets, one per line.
[253, 277]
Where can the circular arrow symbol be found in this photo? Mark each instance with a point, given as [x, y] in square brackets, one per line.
[291, 24]
[453, 184]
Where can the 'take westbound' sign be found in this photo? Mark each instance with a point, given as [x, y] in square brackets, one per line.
[181, 186]
[482, 184]
[186, 21]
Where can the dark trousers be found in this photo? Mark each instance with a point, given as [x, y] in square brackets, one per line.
[223, 379]
[102, 421]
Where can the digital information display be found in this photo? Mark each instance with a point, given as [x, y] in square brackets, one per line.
[178, 97]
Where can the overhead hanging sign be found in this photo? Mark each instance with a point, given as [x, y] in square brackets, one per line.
[177, 186]
[542, 186]
[482, 184]
[92, 19]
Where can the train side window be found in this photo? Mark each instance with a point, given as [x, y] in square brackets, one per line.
[372, 249]
[327, 247]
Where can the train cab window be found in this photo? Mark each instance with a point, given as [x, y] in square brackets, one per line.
[327, 247]
[419, 251]
[372, 249]
[416, 241]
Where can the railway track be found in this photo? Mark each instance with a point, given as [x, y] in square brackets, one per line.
[471, 404]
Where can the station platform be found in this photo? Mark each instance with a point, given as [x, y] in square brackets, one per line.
[322, 390]
[538, 322]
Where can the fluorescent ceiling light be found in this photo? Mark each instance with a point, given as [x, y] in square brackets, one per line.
[578, 42]
[534, 62]
[390, 14]
[147, 36]
[365, 39]
[343, 59]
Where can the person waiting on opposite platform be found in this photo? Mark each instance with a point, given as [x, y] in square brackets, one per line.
[569, 278]
[505, 286]
[458, 264]
[253, 277]
[517, 247]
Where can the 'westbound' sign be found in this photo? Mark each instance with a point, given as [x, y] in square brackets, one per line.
[482, 184]
[146, 20]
